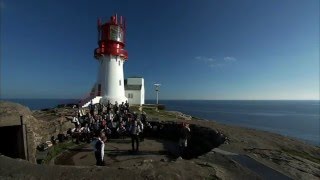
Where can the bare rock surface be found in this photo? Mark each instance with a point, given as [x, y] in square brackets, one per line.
[247, 155]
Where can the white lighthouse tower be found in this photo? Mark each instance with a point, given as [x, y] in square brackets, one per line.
[111, 56]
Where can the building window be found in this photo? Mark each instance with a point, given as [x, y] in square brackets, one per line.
[119, 82]
[130, 95]
[119, 62]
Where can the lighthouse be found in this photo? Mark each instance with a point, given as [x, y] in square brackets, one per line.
[111, 57]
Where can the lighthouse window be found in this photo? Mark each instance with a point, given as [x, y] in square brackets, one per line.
[116, 33]
[119, 82]
[119, 63]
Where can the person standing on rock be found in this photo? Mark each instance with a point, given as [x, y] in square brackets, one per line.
[75, 120]
[108, 107]
[99, 149]
[143, 118]
[134, 130]
[126, 104]
[122, 108]
[115, 107]
[92, 108]
[183, 140]
[141, 134]
[86, 133]
[100, 108]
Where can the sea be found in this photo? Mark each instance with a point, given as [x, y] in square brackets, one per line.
[299, 119]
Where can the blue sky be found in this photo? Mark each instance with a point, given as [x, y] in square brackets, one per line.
[206, 49]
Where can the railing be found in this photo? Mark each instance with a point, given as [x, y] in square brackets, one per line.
[86, 98]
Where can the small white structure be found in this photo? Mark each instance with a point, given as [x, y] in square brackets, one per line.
[134, 90]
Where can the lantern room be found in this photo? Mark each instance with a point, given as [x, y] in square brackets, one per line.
[111, 38]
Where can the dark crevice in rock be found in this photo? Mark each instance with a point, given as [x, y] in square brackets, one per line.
[201, 141]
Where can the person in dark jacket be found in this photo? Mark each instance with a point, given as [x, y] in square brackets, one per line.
[122, 108]
[183, 140]
[108, 107]
[143, 118]
[100, 108]
[134, 130]
[115, 107]
[91, 107]
[126, 106]
[99, 149]
[143, 121]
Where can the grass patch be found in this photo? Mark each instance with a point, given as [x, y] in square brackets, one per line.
[302, 155]
[196, 118]
[161, 115]
[152, 113]
[56, 150]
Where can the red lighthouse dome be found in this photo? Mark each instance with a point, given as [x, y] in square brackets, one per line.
[111, 38]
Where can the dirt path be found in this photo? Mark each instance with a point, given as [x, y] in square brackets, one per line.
[117, 151]
[118, 154]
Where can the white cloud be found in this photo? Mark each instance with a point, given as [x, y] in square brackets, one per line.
[229, 59]
[204, 59]
[211, 62]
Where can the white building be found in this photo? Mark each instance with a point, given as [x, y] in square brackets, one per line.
[134, 90]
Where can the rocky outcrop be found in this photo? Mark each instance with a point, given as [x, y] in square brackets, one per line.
[39, 125]
[288, 156]
[202, 139]
[10, 114]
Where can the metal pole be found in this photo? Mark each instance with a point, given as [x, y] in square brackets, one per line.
[157, 97]
[157, 90]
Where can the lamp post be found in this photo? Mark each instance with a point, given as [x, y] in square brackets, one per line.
[157, 86]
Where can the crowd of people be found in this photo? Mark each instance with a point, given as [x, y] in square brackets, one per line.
[107, 120]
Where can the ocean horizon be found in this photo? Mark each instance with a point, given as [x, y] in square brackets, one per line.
[293, 118]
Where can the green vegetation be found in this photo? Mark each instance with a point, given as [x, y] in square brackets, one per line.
[153, 113]
[57, 149]
[303, 155]
[196, 118]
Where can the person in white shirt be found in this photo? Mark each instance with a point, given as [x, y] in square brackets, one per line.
[86, 132]
[99, 145]
[75, 120]
[135, 129]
